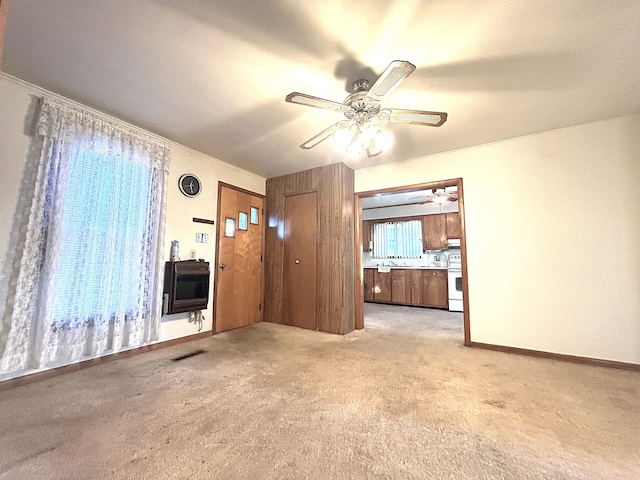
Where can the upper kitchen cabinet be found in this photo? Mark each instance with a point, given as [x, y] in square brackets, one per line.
[453, 225]
[434, 232]
[366, 235]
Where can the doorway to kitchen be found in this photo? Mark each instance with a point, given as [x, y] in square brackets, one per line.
[389, 272]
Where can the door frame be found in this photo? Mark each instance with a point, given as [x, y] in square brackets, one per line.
[222, 184]
[359, 306]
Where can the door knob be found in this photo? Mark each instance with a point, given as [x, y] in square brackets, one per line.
[222, 266]
[297, 261]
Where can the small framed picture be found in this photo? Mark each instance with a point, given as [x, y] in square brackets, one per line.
[255, 217]
[230, 227]
[242, 221]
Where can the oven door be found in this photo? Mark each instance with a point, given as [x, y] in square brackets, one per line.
[455, 289]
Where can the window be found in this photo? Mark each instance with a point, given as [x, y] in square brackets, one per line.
[397, 239]
[90, 278]
[105, 219]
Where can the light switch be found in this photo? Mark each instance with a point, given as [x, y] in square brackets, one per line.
[205, 237]
[198, 238]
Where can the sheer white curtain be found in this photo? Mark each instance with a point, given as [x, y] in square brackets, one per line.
[91, 271]
[397, 239]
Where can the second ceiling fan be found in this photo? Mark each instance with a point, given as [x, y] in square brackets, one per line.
[360, 132]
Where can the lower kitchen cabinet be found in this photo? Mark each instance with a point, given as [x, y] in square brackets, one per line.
[400, 293]
[410, 286]
[368, 284]
[382, 287]
[435, 289]
[415, 286]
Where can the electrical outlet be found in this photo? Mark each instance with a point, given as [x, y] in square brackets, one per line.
[205, 237]
[198, 238]
[192, 254]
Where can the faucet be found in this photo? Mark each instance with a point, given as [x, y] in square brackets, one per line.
[393, 263]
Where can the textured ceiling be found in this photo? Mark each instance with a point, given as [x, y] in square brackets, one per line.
[212, 75]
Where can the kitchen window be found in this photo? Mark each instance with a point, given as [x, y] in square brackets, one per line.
[401, 239]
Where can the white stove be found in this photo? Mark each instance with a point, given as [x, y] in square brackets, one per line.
[455, 282]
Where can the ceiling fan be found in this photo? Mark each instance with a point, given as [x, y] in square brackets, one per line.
[441, 195]
[361, 132]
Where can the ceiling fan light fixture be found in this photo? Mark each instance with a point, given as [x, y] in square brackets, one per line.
[344, 136]
[384, 140]
[367, 137]
[440, 199]
[355, 149]
[361, 131]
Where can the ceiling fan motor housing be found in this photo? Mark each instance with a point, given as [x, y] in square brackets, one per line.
[361, 85]
[361, 109]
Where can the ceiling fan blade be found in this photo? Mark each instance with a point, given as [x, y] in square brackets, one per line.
[413, 117]
[317, 102]
[390, 79]
[323, 135]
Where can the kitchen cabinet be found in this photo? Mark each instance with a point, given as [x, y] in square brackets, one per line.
[435, 291]
[452, 221]
[407, 286]
[367, 226]
[369, 274]
[400, 291]
[415, 286]
[434, 232]
[382, 286]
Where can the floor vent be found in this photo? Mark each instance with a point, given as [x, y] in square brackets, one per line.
[187, 355]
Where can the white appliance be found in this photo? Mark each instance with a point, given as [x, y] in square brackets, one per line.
[455, 282]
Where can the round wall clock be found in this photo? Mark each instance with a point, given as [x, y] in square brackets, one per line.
[189, 185]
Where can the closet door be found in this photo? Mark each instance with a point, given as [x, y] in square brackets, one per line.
[300, 234]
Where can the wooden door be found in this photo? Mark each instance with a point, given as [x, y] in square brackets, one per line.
[238, 298]
[300, 235]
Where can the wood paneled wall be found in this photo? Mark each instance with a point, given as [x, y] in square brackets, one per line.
[334, 185]
[3, 24]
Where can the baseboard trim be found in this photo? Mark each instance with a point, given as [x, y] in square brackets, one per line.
[595, 362]
[74, 367]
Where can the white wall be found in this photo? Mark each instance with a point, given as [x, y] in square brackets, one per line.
[17, 107]
[553, 236]
[181, 211]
